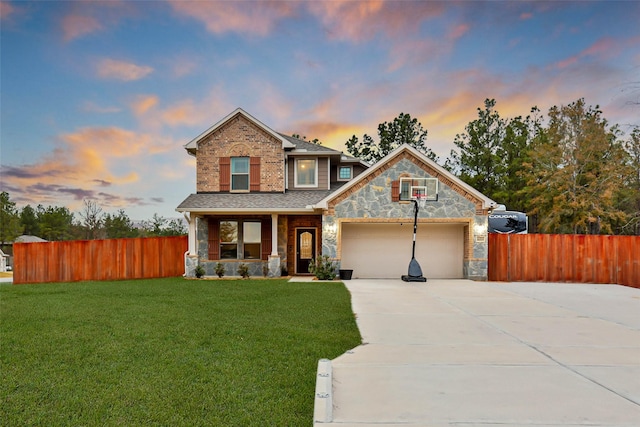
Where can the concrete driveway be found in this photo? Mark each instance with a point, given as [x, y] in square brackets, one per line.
[464, 353]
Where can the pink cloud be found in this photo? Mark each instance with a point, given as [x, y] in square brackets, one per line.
[458, 31]
[525, 16]
[602, 48]
[257, 18]
[361, 20]
[74, 26]
[121, 70]
[153, 114]
[143, 103]
[6, 9]
[87, 17]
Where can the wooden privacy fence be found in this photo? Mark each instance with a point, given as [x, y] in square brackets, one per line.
[565, 258]
[112, 259]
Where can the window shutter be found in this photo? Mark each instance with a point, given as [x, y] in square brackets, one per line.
[225, 173]
[254, 173]
[214, 238]
[266, 239]
[395, 191]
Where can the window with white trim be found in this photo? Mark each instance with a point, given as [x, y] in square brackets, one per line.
[306, 173]
[239, 174]
[345, 173]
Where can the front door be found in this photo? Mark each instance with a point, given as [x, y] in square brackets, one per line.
[305, 249]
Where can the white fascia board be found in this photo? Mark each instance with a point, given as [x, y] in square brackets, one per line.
[306, 210]
[487, 202]
[193, 144]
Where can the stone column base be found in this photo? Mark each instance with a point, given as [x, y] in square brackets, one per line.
[274, 266]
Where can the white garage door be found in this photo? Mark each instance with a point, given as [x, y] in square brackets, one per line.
[384, 250]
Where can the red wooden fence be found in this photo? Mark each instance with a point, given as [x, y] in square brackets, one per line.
[112, 259]
[565, 258]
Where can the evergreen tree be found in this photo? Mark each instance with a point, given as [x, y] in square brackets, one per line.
[29, 221]
[10, 226]
[477, 161]
[119, 226]
[402, 130]
[56, 223]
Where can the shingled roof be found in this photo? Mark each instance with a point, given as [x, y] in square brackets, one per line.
[290, 201]
[309, 147]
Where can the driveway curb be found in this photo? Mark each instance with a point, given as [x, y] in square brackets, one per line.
[323, 402]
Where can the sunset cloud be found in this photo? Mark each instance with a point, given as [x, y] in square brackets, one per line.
[6, 9]
[154, 115]
[86, 162]
[257, 18]
[74, 26]
[603, 47]
[121, 70]
[143, 103]
[358, 21]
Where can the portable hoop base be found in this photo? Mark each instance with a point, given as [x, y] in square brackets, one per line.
[415, 272]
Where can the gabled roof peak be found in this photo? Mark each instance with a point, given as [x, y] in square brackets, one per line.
[192, 145]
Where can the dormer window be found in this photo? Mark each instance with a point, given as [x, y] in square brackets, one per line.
[306, 173]
[345, 173]
[239, 174]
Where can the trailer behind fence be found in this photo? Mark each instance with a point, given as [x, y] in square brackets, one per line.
[565, 258]
[112, 259]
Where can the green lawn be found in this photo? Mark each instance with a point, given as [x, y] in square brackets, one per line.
[170, 352]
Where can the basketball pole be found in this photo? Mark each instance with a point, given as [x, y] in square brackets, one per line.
[415, 272]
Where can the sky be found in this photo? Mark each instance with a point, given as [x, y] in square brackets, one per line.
[98, 98]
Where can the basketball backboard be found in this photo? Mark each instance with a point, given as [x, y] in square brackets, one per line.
[414, 188]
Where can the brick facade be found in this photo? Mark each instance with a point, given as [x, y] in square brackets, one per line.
[240, 137]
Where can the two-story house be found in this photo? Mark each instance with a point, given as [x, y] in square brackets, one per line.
[275, 202]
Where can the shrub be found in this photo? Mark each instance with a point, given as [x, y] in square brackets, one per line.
[323, 268]
[243, 270]
[265, 269]
[199, 271]
[219, 269]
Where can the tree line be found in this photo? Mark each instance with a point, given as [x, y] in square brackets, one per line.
[59, 223]
[571, 171]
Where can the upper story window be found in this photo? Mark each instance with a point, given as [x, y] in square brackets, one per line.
[306, 173]
[345, 173]
[239, 174]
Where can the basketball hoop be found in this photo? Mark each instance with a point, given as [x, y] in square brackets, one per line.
[421, 200]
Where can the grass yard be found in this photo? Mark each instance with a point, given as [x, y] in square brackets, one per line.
[168, 352]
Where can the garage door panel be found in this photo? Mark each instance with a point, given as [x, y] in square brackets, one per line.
[384, 250]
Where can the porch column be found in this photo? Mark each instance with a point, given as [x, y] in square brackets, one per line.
[192, 233]
[274, 234]
[191, 256]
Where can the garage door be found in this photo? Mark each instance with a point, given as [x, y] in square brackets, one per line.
[384, 250]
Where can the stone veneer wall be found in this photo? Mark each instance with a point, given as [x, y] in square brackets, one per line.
[372, 199]
[240, 137]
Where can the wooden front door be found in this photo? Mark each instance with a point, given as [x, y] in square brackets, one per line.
[305, 249]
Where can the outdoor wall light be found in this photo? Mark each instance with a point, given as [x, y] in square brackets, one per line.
[330, 228]
[479, 229]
